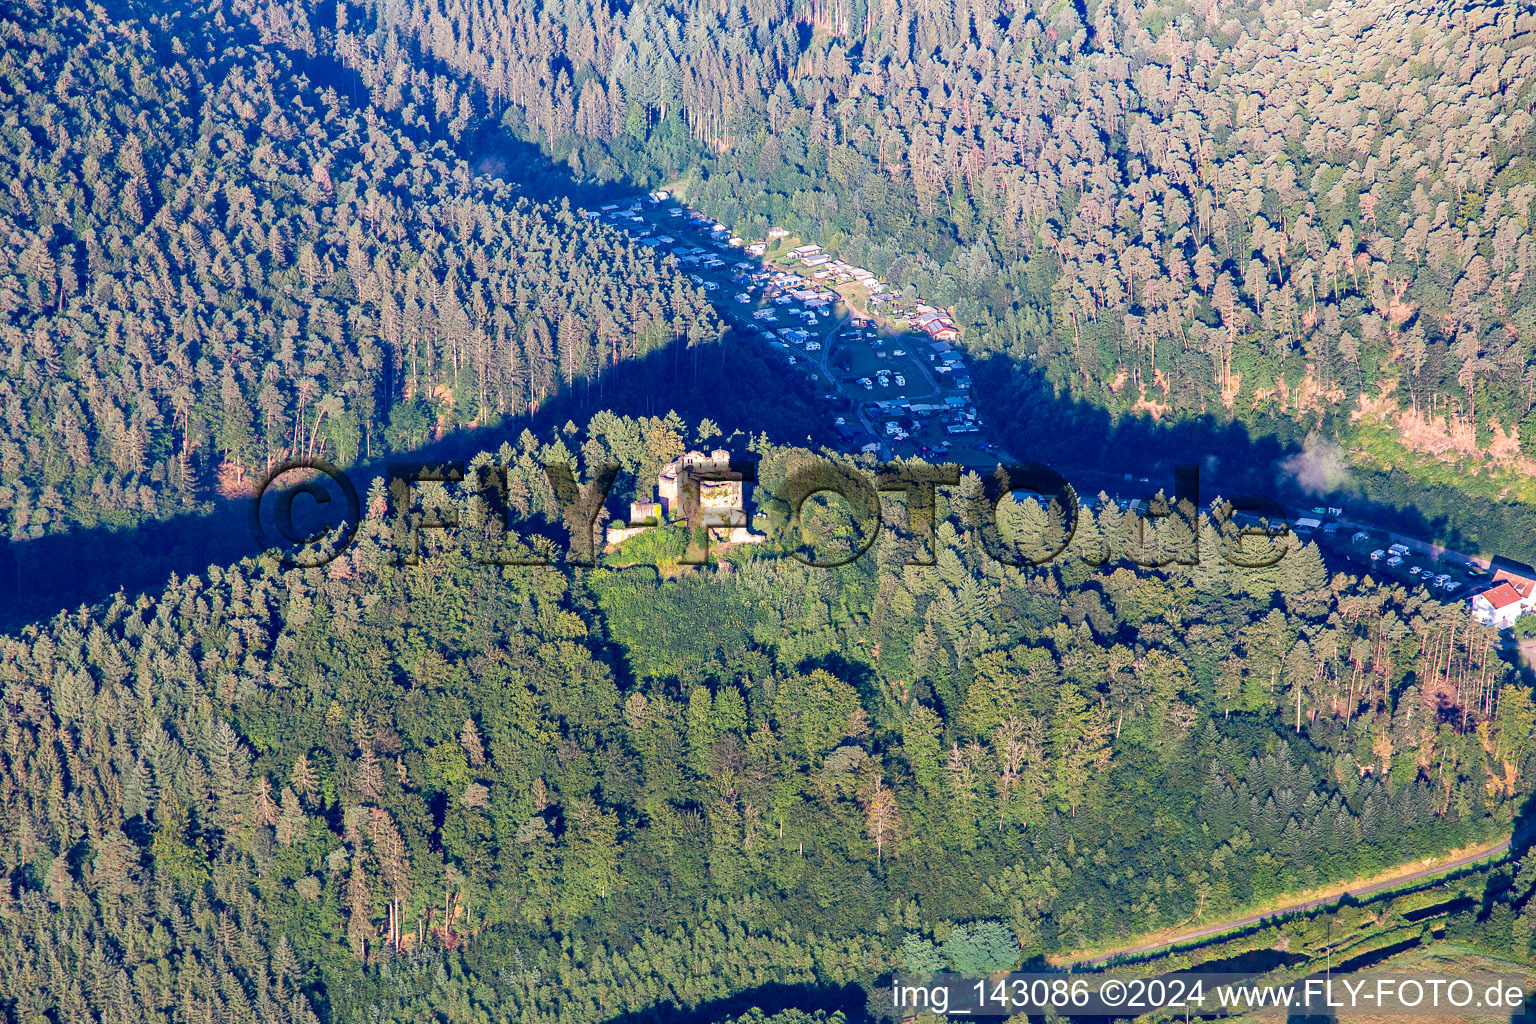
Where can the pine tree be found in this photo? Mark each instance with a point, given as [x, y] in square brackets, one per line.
[370, 776]
[701, 730]
[469, 739]
[921, 741]
[264, 810]
[1082, 747]
[359, 902]
[291, 822]
[175, 852]
[302, 777]
[1303, 570]
[881, 819]
[115, 864]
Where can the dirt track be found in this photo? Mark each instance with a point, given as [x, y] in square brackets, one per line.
[1332, 897]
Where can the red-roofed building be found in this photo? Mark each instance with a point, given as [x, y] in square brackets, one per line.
[1500, 605]
[1523, 585]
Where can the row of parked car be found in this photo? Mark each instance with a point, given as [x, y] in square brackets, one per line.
[1442, 581]
[884, 377]
[1396, 555]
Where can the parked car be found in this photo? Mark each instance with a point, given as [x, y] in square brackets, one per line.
[901, 381]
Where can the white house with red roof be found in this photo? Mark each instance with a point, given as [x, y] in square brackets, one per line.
[1509, 596]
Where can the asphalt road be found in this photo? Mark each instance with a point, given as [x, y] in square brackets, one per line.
[1227, 926]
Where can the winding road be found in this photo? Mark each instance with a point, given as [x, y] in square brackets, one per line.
[1371, 888]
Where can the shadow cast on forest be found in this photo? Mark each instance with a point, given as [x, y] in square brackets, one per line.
[87, 565]
[738, 382]
[744, 386]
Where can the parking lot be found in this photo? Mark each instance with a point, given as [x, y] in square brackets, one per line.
[1449, 578]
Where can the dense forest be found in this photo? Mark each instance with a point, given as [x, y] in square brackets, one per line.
[239, 232]
[465, 791]
[1291, 210]
[213, 263]
[1305, 221]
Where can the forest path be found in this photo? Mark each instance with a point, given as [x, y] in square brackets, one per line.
[1386, 880]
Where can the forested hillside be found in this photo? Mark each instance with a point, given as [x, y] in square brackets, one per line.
[373, 792]
[1293, 210]
[212, 263]
[242, 231]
